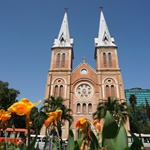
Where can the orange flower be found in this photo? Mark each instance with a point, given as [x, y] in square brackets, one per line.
[53, 116]
[4, 115]
[18, 108]
[97, 124]
[23, 107]
[82, 123]
[95, 121]
[59, 113]
[49, 121]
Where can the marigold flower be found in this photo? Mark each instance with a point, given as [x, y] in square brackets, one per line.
[4, 115]
[81, 123]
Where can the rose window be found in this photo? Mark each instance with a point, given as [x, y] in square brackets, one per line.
[84, 91]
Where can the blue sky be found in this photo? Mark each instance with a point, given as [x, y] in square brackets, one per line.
[28, 29]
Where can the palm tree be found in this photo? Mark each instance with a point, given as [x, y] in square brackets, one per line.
[37, 118]
[118, 110]
[52, 104]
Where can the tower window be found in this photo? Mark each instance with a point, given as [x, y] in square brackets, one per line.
[58, 60]
[61, 91]
[110, 59]
[84, 108]
[107, 91]
[56, 91]
[78, 108]
[63, 60]
[112, 91]
[104, 59]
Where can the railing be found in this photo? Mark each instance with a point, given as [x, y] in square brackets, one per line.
[145, 140]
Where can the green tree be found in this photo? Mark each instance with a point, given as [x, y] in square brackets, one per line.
[7, 98]
[7, 95]
[37, 118]
[118, 110]
[53, 104]
[138, 115]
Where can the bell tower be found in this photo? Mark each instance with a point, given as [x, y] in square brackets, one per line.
[107, 67]
[59, 73]
[58, 79]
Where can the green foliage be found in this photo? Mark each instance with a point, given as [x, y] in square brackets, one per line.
[70, 144]
[7, 95]
[37, 118]
[114, 137]
[118, 110]
[141, 118]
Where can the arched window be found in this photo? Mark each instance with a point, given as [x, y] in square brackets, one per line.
[110, 59]
[90, 108]
[61, 91]
[107, 91]
[84, 108]
[78, 108]
[63, 60]
[56, 91]
[58, 60]
[112, 91]
[104, 59]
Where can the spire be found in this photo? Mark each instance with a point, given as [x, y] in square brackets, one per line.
[64, 39]
[104, 38]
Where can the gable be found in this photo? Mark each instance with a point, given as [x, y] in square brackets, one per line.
[83, 72]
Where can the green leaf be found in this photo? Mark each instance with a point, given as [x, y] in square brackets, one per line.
[127, 148]
[94, 143]
[55, 147]
[78, 144]
[109, 132]
[121, 141]
[110, 127]
[70, 145]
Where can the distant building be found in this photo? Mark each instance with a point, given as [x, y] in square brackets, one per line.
[141, 95]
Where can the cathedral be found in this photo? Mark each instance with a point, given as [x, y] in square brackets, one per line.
[84, 87]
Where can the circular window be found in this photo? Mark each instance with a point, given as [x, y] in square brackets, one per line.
[109, 80]
[59, 81]
[84, 91]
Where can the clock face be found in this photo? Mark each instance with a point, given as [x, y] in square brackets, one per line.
[84, 91]
[84, 71]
